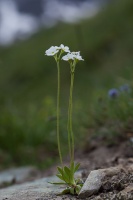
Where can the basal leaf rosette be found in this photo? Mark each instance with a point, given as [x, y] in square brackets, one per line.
[66, 175]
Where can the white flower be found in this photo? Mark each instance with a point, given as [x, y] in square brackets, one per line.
[67, 57]
[72, 56]
[77, 55]
[52, 51]
[64, 48]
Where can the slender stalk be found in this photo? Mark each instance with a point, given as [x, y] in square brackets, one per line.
[71, 107]
[58, 113]
[69, 125]
[68, 130]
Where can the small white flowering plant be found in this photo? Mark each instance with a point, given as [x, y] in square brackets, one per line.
[65, 173]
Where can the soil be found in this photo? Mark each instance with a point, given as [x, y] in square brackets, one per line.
[98, 155]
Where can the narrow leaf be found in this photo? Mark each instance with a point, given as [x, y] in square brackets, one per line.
[64, 176]
[77, 167]
[66, 191]
[72, 167]
[67, 173]
[67, 170]
[78, 188]
[60, 170]
[72, 191]
[57, 183]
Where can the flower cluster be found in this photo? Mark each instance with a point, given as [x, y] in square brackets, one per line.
[53, 51]
[113, 93]
[72, 56]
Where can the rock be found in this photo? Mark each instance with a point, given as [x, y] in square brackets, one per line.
[95, 180]
[112, 171]
[127, 192]
[6, 179]
[40, 189]
[32, 190]
[130, 168]
[17, 175]
[92, 184]
[106, 185]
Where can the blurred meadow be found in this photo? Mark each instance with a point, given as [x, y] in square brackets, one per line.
[28, 84]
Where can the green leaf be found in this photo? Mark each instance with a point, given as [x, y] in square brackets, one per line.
[72, 170]
[72, 191]
[66, 191]
[77, 167]
[72, 167]
[67, 170]
[78, 188]
[68, 173]
[57, 183]
[60, 170]
[63, 174]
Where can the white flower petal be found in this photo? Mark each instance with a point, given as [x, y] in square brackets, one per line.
[78, 57]
[76, 53]
[67, 57]
[64, 48]
[52, 51]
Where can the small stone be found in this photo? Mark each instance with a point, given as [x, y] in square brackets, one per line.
[92, 184]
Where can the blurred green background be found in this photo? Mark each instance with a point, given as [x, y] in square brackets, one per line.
[28, 84]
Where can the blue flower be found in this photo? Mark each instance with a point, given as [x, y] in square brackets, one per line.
[125, 88]
[113, 93]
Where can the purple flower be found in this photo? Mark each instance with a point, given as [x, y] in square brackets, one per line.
[125, 88]
[113, 93]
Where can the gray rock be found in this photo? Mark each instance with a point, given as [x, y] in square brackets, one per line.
[17, 175]
[127, 192]
[95, 179]
[92, 184]
[40, 189]
[31, 191]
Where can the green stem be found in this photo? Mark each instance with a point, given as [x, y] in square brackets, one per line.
[58, 113]
[69, 127]
[71, 107]
[69, 133]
